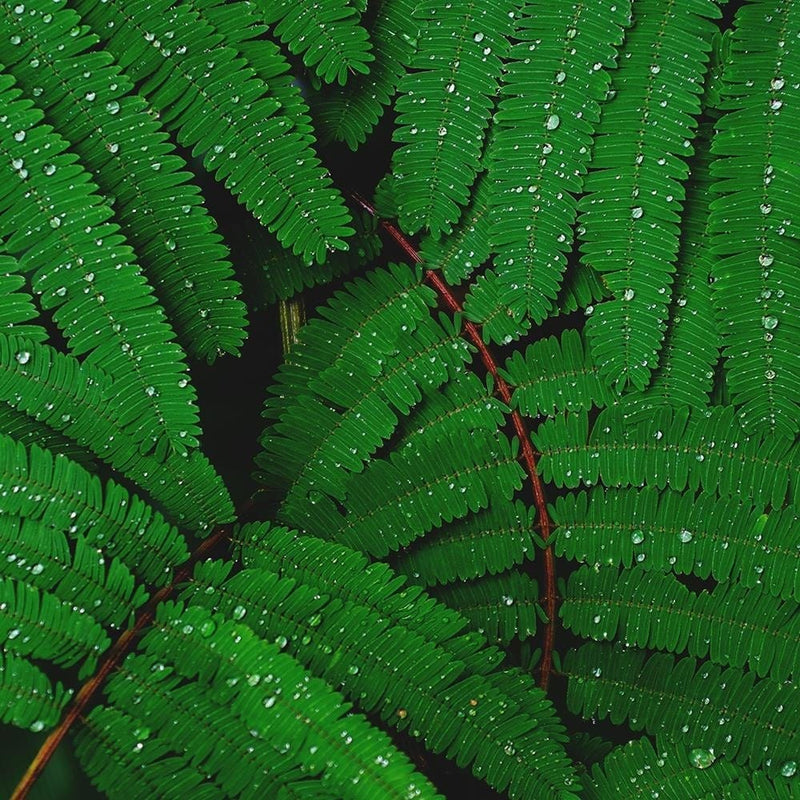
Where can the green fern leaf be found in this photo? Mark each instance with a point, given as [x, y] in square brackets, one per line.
[166, 49]
[556, 73]
[755, 262]
[327, 34]
[27, 698]
[732, 625]
[715, 711]
[349, 115]
[178, 248]
[17, 310]
[556, 375]
[630, 226]
[455, 72]
[701, 535]
[666, 771]
[666, 447]
[491, 541]
[83, 271]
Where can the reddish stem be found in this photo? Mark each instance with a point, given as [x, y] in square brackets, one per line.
[472, 332]
[114, 656]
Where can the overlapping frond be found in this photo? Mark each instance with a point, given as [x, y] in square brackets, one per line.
[556, 375]
[212, 99]
[159, 213]
[57, 226]
[80, 401]
[668, 770]
[666, 447]
[727, 538]
[491, 541]
[327, 34]
[17, 311]
[253, 700]
[732, 625]
[357, 627]
[349, 115]
[444, 107]
[554, 80]
[716, 711]
[629, 216]
[753, 242]
[27, 698]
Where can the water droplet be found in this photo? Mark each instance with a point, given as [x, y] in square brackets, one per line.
[637, 212]
[49, 169]
[13, 633]
[769, 322]
[552, 122]
[23, 357]
[207, 628]
[685, 536]
[19, 136]
[38, 726]
[637, 537]
[451, 87]
[478, 37]
[655, 69]
[269, 701]
[187, 629]
[561, 77]
[170, 244]
[37, 569]
[700, 758]
[443, 131]
[239, 612]
[628, 294]
[766, 208]
[352, 670]
[55, 222]
[766, 259]
[281, 641]
[788, 769]
[112, 107]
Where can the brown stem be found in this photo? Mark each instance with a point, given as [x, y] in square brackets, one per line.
[114, 656]
[472, 332]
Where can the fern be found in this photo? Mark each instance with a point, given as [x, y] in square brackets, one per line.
[533, 472]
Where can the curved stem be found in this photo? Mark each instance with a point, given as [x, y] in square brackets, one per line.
[472, 332]
[114, 656]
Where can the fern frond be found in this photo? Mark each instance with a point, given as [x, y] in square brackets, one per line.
[703, 535]
[444, 108]
[461, 252]
[629, 215]
[17, 310]
[83, 270]
[350, 115]
[78, 400]
[326, 34]
[359, 643]
[187, 74]
[27, 698]
[178, 247]
[491, 541]
[755, 254]
[666, 771]
[719, 712]
[40, 556]
[669, 447]
[483, 304]
[554, 80]
[556, 375]
[732, 625]
[121, 524]
[500, 607]
[38, 625]
[268, 693]
[390, 504]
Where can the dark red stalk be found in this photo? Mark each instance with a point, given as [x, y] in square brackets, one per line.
[472, 332]
[114, 656]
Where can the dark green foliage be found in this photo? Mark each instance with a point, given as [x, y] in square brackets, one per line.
[610, 188]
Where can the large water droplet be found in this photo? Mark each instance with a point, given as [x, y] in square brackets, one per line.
[637, 537]
[552, 122]
[788, 769]
[637, 212]
[23, 357]
[628, 294]
[701, 758]
[769, 322]
[478, 37]
[685, 536]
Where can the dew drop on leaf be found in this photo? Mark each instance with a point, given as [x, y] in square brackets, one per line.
[769, 322]
[552, 122]
[685, 536]
[701, 758]
[637, 537]
[788, 769]
[637, 212]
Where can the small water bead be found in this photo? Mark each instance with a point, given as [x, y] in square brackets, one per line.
[766, 259]
[269, 701]
[443, 131]
[49, 169]
[352, 670]
[239, 612]
[776, 105]
[561, 77]
[655, 69]
[207, 628]
[766, 208]
[23, 357]
[788, 769]
[112, 107]
[478, 37]
[36, 727]
[552, 122]
[628, 294]
[450, 88]
[637, 537]
[19, 136]
[701, 758]
[37, 569]
[637, 212]
[769, 322]
[685, 536]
